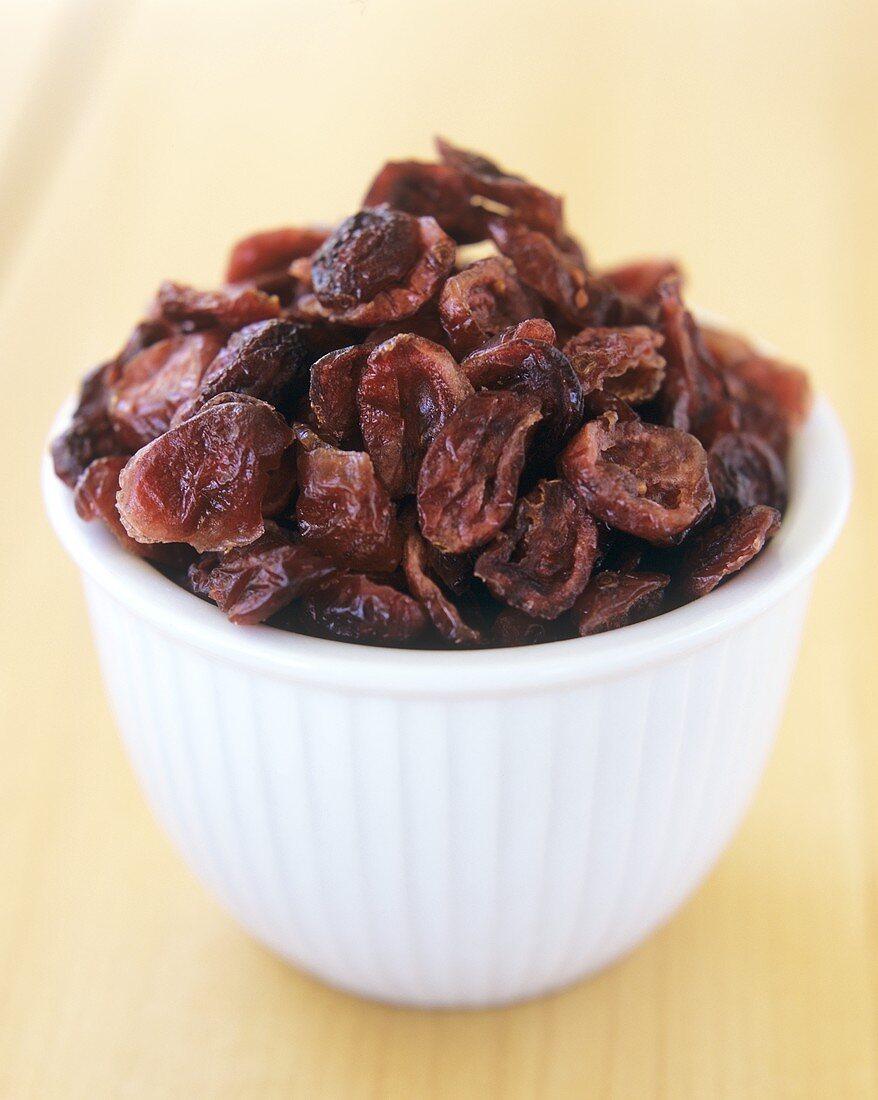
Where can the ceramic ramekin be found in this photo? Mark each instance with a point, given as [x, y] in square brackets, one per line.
[457, 829]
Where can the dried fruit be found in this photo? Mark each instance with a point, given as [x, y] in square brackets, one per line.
[542, 560]
[613, 599]
[378, 266]
[358, 609]
[334, 381]
[623, 361]
[154, 384]
[443, 613]
[203, 482]
[481, 301]
[230, 307]
[727, 548]
[251, 583]
[745, 470]
[649, 481]
[272, 250]
[488, 447]
[268, 360]
[342, 508]
[407, 391]
[469, 476]
[537, 368]
[532, 205]
[429, 189]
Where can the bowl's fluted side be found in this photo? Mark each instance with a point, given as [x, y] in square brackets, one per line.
[438, 851]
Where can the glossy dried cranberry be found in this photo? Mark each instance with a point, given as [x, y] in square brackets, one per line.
[271, 250]
[153, 385]
[745, 470]
[407, 391]
[334, 381]
[251, 583]
[536, 368]
[379, 266]
[358, 609]
[542, 560]
[229, 308]
[531, 204]
[436, 190]
[623, 361]
[204, 481]
[543, 267]
[342, 508]
[481, 301]
[469, 477]
[691, 387]
[90, 434]
[613, 599]
[268, 360]
[440, 608]
[726, 548]
[649, 481]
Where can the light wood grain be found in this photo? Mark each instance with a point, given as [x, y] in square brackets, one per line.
[740, 136]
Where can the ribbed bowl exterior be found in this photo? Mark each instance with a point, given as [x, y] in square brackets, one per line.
[438, 851]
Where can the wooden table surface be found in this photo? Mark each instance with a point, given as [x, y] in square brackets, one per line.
[136, 140]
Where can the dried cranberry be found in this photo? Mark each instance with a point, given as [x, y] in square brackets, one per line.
[203, 482]
[251, 583]
[230, 308]
[334, 381]
[542, 265]
[443, 613]
[613, 599]
[358, 609]
[649, 481]
[726, 548]
[342, 509]
[407, 391]
[745, 470]
[469, 476]
[156, 383]
[90, 434]
[271, 250]
[436, 190]
[481, 301]
[623, 361]
[514, 628]
[542, 560]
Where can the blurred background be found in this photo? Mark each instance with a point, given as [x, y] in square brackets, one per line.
[138, 139]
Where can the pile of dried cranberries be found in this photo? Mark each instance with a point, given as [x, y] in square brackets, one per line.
[368, 434]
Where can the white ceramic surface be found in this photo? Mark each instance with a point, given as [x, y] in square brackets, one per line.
[457, 829]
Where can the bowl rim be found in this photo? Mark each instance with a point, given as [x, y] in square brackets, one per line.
[820, 492]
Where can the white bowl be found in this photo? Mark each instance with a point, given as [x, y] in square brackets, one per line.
[457, 829]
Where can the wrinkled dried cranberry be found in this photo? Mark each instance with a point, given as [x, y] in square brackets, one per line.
[334, 381]
[429, 189]
[745, 470]
[514, 628]
[143, 336]
[229, 308]
[358, 609]
[542, 265]
[773, 399]
[366, 274]
[271, 250]
[408, 390]
[156, 383]
[691, 388]
[649, 481]
[481, 301]
[203, 482]
[250, 583]
[536, 368]
[90, 434]
[440, 608]
[608, 407]
[268, 360]
[641, 279]
[282, 484]
[531, 204]
[613, 599]
[342, 508]
[542, 560]
[726, 548]
[623, 361]
[469, 476]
